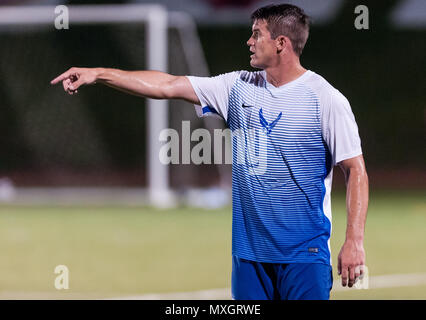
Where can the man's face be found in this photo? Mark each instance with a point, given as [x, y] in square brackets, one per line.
[263, 47]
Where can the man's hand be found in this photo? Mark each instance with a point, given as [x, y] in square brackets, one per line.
[75, 78]
[351, 261]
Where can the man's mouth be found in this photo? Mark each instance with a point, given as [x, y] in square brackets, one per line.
[252, 51]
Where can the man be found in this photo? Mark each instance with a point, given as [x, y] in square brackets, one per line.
[293, 128]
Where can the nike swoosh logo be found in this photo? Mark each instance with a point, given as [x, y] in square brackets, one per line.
[246, 106]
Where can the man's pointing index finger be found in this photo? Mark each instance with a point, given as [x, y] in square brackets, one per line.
[61, 77]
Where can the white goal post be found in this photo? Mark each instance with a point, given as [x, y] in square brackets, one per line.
[157, 20]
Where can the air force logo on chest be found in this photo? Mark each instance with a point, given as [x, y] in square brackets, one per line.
[267, 126]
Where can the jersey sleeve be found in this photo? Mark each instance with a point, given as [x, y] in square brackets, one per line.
[213, 93]
[339, 129]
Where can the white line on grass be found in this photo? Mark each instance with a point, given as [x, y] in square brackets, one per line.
[376, 282]
[212, 294]
[389, 281]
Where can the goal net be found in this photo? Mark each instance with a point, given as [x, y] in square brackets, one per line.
[99, 139]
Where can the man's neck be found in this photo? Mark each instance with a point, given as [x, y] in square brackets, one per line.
[284, 72]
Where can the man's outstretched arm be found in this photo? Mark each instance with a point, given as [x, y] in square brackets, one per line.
[150, 84]
[352, 254]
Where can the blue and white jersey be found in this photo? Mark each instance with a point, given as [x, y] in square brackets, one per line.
[286, 141]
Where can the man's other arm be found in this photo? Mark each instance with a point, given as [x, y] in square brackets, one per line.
[149, 84]
[352, 254]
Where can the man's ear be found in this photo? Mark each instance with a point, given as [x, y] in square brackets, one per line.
[281, 43]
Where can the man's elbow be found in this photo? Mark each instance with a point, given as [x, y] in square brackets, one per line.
[358, 174]
[169, 90]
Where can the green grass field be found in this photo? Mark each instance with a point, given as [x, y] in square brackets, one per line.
[120, 251]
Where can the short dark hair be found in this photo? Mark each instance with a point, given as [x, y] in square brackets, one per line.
[287, 20]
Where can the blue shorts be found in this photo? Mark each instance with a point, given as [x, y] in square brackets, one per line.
[275, 281]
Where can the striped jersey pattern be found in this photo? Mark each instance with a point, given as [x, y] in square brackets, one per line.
[278, 204]
[285, 142]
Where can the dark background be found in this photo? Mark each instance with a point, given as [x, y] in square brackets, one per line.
[43, 142]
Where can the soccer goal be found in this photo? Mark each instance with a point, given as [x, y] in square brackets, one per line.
[99, 137]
